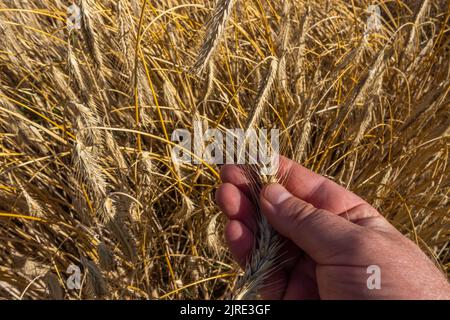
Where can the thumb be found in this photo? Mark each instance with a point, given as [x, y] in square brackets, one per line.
[320, 233]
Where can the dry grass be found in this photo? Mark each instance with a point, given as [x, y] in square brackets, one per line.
[86, 176]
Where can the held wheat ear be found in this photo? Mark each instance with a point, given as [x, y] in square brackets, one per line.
[266, 250]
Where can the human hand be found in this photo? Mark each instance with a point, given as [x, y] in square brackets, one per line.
[332, 237]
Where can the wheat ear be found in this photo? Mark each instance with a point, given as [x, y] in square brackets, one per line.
[89, 33]
[214, 31]
[265, 88]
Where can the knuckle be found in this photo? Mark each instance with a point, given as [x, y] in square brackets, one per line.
[367, 242]
[299, 212]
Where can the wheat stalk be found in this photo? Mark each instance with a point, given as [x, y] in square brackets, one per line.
[266, 248]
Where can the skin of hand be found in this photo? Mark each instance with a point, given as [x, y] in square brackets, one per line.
[330, 238]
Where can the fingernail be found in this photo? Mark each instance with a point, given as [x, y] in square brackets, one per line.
[276, 194]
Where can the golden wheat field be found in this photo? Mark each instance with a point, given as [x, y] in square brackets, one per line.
[87, 111]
